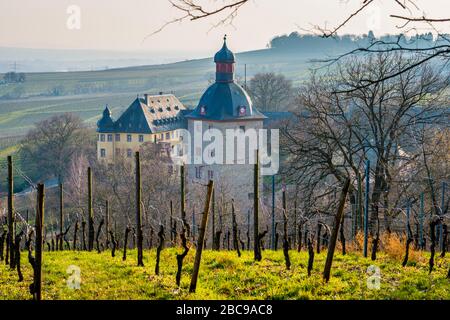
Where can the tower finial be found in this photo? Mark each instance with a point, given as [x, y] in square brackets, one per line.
[225, 38]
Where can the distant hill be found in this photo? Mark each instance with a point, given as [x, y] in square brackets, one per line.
[85, 93]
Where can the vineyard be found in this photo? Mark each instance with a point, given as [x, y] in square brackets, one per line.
[174, 264]
[225, 276]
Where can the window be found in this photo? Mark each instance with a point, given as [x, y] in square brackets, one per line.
[242, 128]
[128, 137]
[167, 135]
[198, 172]
[129, 153]
[173, 135]
[110, 137]
[161, 136]
[210, 174]
[102, 137]
[117, 151]
[102, 153]
[117, 136]
[141, 138]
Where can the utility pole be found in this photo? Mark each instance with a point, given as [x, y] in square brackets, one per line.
[366, 208]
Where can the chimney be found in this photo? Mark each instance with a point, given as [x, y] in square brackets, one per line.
[147, 100]
[161, 93]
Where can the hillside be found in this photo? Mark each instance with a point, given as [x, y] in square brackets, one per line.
[86, 93]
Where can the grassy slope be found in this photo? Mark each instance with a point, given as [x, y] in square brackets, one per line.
[224, 276]
[117, 87]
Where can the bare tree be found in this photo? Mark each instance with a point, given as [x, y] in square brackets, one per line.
[49, 147]
[270, 91]
[412, 19]
[337, 130]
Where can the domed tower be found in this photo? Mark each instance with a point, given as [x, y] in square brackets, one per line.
[225, 100]
[105, 129]
[226, 108]
[106, 123]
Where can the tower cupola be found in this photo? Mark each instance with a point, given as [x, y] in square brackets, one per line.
[225, 61]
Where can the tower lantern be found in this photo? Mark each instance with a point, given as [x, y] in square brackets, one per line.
[225, 61]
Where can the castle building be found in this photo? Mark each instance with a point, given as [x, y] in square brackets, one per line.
[151, 118]
[224, 107]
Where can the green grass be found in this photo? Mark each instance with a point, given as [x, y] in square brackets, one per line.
[225, 276]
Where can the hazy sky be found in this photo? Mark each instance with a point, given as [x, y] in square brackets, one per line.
[123, 24]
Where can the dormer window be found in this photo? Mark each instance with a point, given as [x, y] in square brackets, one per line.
[242, 111]
[203, 110]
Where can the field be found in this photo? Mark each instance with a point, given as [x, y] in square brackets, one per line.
[225, 276]
[87, 93]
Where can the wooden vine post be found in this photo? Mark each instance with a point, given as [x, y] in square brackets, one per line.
[90, 213]
[11, 214]
[285, 235]
[61, 217]
[107, 222]
[201, 238]
[140, 237]
[235, 229]
[334, 233]
[256, 244]
[39, 225]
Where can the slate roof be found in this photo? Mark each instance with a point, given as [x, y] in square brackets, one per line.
[222, 101]
[225, 100]
[150, 114]
[106, 123]
[224, 55]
